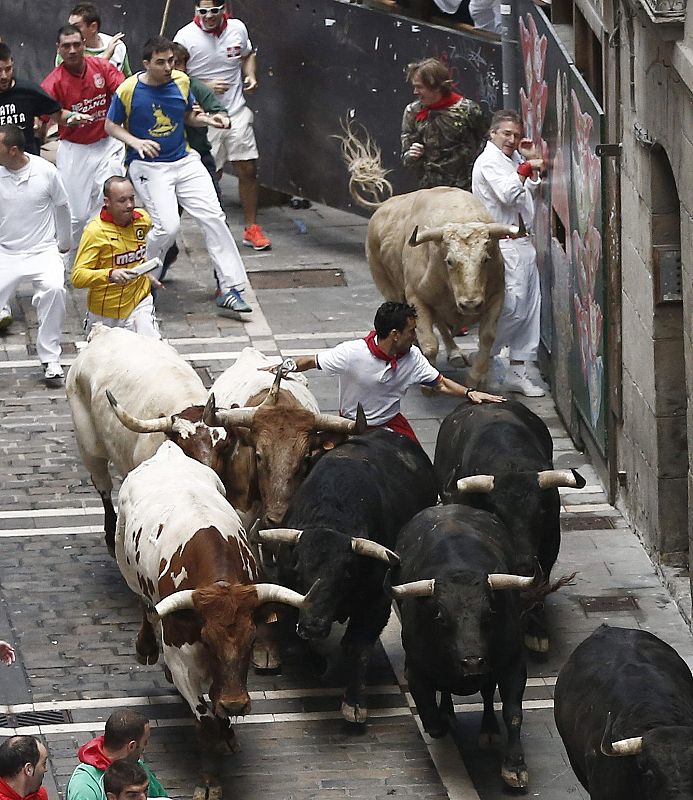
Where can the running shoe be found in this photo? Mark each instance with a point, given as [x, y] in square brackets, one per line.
[233, 301]
[255, 238]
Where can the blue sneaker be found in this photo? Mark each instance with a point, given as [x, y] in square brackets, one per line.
[233, 301]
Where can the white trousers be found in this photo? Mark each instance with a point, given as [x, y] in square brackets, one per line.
[486, 15]
[84, 169]
[518, 326]
[163, 186]
[142, 320]
[46, 272]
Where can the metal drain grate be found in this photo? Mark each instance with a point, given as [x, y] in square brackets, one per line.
[586, 522]
[27, 718]
[609, 604]
[296, 278]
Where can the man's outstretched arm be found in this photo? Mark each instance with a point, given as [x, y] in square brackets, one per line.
[447, 386]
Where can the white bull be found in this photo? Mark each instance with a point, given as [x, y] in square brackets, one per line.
[152, 381]
[438, 250]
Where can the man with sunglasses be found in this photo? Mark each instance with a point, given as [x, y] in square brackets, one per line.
[222, 56]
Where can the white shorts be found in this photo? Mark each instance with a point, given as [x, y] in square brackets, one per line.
[142, 320]
[237, 143]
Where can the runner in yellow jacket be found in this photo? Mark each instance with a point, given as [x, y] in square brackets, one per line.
[113, 243]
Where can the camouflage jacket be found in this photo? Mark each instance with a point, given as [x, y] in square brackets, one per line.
[452, 138]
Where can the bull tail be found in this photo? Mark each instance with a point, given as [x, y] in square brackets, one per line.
[367, 176]
[536, 593]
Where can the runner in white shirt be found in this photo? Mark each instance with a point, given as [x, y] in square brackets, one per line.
[222, 56]
[504, 181]
[34, 228]
[377, 371]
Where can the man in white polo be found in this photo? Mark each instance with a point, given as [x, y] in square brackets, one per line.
[222, 56]
[377, 371]
[34, 228]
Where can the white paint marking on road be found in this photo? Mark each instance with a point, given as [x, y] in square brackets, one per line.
[67, 531]
[83, 511]
[443, 752]
[588, 507]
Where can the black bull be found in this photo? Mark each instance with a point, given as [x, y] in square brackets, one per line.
[509, 449]
[461, 627]
[352, 504]
[627, 693]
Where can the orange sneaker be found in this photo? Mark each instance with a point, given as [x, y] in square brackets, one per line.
[255, 238]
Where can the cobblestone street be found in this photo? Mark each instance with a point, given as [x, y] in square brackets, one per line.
[73, 619]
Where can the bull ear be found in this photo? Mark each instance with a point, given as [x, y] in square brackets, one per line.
[361, 421]
[622, 747]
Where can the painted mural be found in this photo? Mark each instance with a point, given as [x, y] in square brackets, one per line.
[564, 121]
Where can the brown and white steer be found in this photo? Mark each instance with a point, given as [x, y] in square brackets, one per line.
[438, 250]
[181, 547]
[281, 430]
[153, 383]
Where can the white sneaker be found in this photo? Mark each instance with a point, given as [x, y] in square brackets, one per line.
[53, 371]
[5, 318]
[517, 380]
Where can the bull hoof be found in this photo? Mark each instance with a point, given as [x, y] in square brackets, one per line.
[354, 714]
[109, 540]
[207, 793]
[537, 644]
[147, 658]
[489, 740]
[265, 659]
[457, 358]
[515, 777]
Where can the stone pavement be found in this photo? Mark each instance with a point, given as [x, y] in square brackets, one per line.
[63, 603]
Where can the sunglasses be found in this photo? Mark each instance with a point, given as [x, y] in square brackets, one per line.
[215, 10]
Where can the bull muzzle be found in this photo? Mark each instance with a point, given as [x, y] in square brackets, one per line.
[469, 305]
[231, 706]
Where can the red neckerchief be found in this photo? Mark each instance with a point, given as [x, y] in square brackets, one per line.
[8, 793]
[380, 353]
[106, 216]
[445, 102]
[215, 31]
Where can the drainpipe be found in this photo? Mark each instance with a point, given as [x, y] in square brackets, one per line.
[510, 50]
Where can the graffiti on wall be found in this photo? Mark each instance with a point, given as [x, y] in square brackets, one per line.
[563, 120]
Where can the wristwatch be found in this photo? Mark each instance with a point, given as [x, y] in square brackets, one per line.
[288, 365]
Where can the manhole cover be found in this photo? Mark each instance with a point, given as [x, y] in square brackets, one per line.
[585, 522]
[609, 604]
[296, 278]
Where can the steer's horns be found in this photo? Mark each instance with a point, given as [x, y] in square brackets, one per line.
[272, 593]
[497, 230]
[552, 478]
[280, 535]
[214, 417]
[367, 547]
[157, 425]
[622, 747]
[178, 601]
[428, 235]
[476, 483]
[414, 589]
[499, 580]
[273, 394]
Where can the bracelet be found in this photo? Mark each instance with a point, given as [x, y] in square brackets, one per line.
[288, 365]
[469, 391]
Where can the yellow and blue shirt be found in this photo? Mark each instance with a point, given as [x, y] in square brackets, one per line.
[154, 112]
[106, 246]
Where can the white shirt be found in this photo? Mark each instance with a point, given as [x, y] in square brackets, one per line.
[120, 52]
[368, 380]
[496, 183]
[35, 209]
[486, 15]
[218, 57]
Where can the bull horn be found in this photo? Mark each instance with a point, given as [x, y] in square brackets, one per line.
[232, 417]
[272, 593]
[500, 580]
[476, 483]
[280, 535]
[367, 547]
[361, 421]
[552, 478]
[273, 394]
[178, 601]
[333, 424]
[428, 235]
[496, 230]
[157, 425]
[414, 589]
[621, 747]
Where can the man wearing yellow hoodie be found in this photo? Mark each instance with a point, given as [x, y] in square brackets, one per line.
[126, 736]
[113, 243]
